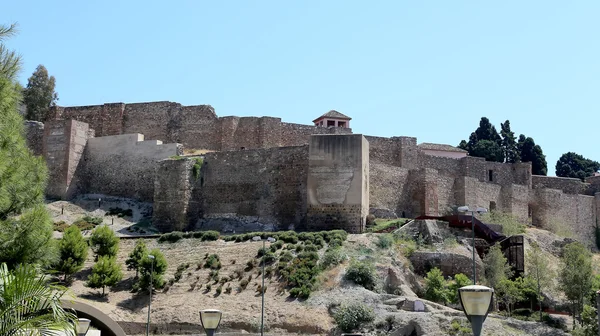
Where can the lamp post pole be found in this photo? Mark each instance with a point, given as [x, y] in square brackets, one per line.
[262, 289]
[473, 240]
[150, 290]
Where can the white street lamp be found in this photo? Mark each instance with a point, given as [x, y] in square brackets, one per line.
[480, 211]
[82, 326]
[210, 319]
[262, 310]
[476, 301]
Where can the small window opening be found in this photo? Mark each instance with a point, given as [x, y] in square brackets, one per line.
[490, 175]
[529, 211]
[331, 123]
[341, 124]
[492, 206]
[242, 148]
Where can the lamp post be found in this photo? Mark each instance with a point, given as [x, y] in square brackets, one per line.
[476, 301]
[151, 257]
[210, 319]
[82, 326]
[479, 210]
[262, 309]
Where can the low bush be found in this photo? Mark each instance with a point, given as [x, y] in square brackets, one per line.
[212, 262]
[244, 284]
[171, 237]
[261, 252]
[210, 235]
[310, 248]
[302, 292]
[286, 257]
[60, 226]
[268, 258]
[332, 258]
[350, 317]
[384, 240]
[119, 212]
[88, 222]
[362, 273]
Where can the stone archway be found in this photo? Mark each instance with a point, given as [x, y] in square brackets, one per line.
[106, 325]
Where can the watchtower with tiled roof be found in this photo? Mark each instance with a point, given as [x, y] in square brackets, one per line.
[333, 118]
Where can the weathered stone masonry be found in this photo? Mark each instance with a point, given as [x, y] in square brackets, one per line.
[273, 173]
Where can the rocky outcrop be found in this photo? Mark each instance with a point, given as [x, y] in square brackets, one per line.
[450, 262]
[428, 231]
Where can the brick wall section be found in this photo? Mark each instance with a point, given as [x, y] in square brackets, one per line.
[265, 183]
[173, 189]
[63, 147]
[196, 127]
[567, 185]
[389, 188]
[124, 165]
[34, 135]
[337, 194]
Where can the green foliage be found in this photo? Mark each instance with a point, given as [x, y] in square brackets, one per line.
[171, 237]
[382, 224]
[286, 256]
[209, 235]
[385, 240]
[575, 275]
[39, 94]
[496, 267]
[589, 322]
[509, 292]
[28, 239]
[156, 266]
[104, 242]
[73, 250]
[350, 317]
[213, 262]
[362, 273]
[197, 167]
[135, 257]
[539, 272]
[460, 280]
[436, 288]
[30, 304]
[576, 166]
[105, 273]
[459, 328]
[530, 152]
[510, 224]
[268, 258]
[310, 248]
[332, 258]
[88, 222]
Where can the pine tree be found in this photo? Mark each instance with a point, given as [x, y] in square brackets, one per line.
[39, 94]
[509, 143]
[576, 166]
[73, 251]
[105, 273]
[485, 142]
[530, 152]
[136, 256]
[496, 267]
[155, 267]
[25, 226]
[104, 242]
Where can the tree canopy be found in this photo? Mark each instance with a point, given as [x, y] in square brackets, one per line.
[25, 226]
[574, 165]
[487, 143]
[39, 94]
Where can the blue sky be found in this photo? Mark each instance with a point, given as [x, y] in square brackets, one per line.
[429, 69]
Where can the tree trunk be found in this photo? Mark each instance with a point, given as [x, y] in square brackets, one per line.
[103, 289]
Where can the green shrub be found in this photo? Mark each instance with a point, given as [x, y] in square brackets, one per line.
[261, 252]
[350, 317]
[286, 257]
[459, 328]
[198, 234]
[302, 292]
[304, 236]
[249, 265]
[336, 242]
[385, 240]
[60, 226]
[171, 237]
[333, 257]
[299, 248]
[436, 288]
[362, 273]
[244, 284]
[310, 248]
[211, 235]
[268, 258]
[278, 245]
[212, 262]
[290, 237]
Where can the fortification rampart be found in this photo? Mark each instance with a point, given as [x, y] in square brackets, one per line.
[567, 185]
[196, 127]
[124, 165]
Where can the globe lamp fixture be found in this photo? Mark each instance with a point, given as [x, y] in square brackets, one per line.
[210, 319]
[476, 301]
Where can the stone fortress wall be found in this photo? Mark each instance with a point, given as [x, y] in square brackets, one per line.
[262, 168]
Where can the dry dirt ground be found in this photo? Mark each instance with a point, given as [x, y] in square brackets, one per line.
[176, 311]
